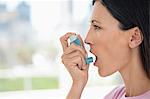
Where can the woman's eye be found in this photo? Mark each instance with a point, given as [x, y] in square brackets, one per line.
[96, 27]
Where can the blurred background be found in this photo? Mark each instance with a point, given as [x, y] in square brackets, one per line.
[30, 51]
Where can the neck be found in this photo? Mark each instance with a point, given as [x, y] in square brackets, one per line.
[135, 78]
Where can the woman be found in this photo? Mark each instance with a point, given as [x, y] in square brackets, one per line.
[119, 38]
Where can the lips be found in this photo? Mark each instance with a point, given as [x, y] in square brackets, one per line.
[91, 51]
[94, 55]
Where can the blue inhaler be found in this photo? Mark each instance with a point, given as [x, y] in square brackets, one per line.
[75, 39]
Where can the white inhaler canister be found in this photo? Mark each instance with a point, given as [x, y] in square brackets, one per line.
[75, 39]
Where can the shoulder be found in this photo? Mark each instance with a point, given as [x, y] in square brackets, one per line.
[116, 92]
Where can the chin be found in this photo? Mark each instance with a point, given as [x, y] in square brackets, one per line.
[104, 73]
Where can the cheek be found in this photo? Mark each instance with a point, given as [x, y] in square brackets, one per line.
[118, 52]
[113, 54]
[113, 61]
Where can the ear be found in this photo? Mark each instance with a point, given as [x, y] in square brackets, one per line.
[136, 37]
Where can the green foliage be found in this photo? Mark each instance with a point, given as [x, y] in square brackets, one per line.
[37, 83]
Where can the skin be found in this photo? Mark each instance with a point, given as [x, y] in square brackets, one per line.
[115, 49]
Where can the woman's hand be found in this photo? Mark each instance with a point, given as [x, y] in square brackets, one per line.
[74, 60]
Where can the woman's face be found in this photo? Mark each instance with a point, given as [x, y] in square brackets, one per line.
[107, 41]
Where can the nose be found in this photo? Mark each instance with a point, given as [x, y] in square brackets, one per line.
[88, 39]
[85, 41]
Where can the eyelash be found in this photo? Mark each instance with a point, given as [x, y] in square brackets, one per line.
[96, 27]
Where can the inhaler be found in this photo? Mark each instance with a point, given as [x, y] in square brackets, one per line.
[76, 40]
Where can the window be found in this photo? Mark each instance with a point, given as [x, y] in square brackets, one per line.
[29, 43]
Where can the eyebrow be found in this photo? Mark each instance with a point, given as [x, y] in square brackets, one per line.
[95, 21]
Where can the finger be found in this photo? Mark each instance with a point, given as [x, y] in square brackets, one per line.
[70, 62]
[85, 66]
[78, 53]
[73, 55]
[66, 61]
[78, 61]
[73, 47]
[64, 40]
